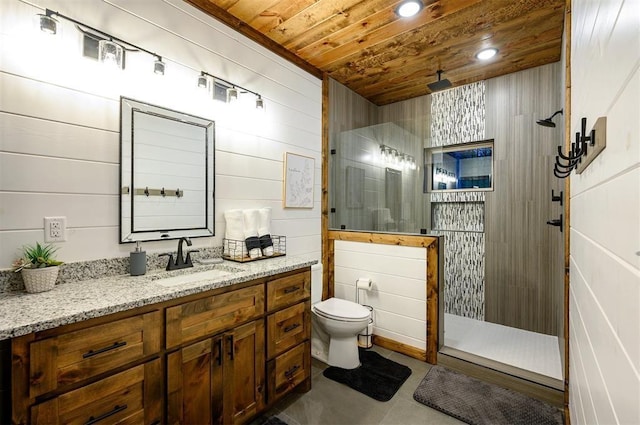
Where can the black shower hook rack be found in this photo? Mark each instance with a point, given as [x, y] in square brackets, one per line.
[578, 150]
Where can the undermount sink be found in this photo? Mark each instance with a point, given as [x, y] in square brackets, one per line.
[193, 277]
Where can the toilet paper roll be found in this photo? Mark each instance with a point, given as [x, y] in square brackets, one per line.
[363, 283]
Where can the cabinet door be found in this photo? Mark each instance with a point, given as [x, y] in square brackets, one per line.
[194, 383]
[246, 373]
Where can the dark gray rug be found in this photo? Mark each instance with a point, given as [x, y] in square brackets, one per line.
[478, 403]
[377, 377]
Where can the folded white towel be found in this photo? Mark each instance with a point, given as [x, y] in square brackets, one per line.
[264, 230]
[234, 221]
[251, 221]
[234, 233]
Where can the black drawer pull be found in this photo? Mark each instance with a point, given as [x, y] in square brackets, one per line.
[291, 289]
[92, 420]
[291, 327]
[92, 353]
[219, 358]
[289, 373]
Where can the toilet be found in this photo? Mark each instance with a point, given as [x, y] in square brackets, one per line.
[343, 320]
[338, 321]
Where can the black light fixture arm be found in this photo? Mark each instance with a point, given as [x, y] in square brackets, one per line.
[229, 83]
[80, 25]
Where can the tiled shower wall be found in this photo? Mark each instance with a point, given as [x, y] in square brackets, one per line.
[458, 116]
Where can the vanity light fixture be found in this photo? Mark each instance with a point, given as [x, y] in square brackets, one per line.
[158, 66]
[486, 54]
[202, 81]
[111, 49]
[392, 157]
[409, 8]
[111, 53]
[48, 24]
[232, 94]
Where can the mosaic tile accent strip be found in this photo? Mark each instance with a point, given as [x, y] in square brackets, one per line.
[464, 274]
[458, 115]
[462, 196]
[95, 269]
[458, 216]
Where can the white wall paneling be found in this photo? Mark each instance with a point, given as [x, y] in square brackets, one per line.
[604, 353]
[59, 121]
[398, 294]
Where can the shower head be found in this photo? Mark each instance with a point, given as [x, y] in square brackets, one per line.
[547, 121]
[440, 84]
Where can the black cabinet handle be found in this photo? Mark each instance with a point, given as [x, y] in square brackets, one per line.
[291, 289]
[92, 420]
[219, 359]
[291, 327]
[230, 340]
[289, 373]
[92, 353]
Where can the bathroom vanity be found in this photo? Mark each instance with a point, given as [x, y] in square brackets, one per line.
[219, 350]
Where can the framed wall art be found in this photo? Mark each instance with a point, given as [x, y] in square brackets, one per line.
[298, 181]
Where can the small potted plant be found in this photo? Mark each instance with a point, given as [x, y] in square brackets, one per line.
[39, 268]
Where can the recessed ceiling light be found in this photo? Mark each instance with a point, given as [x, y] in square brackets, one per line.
[486, 53]
[409, 8]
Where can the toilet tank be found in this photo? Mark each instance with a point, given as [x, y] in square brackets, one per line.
[316, 283]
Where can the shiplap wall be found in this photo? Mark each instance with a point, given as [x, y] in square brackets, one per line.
[59, 122]
[399, 289]
[604, 356]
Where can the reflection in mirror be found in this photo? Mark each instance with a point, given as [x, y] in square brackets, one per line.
[460, 167]
[393, 197]
[167, 173]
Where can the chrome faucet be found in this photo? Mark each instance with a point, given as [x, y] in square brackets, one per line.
[181, 261]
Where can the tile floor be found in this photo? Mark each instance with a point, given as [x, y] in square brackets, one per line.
[331, 403]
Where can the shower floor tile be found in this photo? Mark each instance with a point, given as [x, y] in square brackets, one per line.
[527, 350]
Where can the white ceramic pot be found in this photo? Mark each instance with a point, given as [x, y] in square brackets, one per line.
[41, 279]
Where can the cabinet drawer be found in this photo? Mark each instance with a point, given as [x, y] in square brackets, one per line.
[287, 328]
[74, 356]
[288, 290]
[132, 396]
[288, 370]
[210, 315]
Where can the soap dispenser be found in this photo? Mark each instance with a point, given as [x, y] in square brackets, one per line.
[138, 261]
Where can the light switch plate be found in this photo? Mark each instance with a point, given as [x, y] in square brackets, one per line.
[55, 229]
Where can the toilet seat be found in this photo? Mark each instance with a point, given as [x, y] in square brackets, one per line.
[343, 310]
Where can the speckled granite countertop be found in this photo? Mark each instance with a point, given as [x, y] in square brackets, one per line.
[22, 313]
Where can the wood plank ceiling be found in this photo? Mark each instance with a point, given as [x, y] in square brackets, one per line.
[364, 45]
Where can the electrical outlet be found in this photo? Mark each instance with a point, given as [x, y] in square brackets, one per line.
[55, 229]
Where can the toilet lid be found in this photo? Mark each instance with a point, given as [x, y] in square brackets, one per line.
[342, 309]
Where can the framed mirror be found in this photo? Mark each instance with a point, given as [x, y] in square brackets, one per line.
[166, 173]
[466, 166]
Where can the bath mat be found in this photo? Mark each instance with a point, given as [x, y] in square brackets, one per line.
[478, 403]
[377, 377]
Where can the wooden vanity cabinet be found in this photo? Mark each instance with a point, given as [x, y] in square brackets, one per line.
[219, 357]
